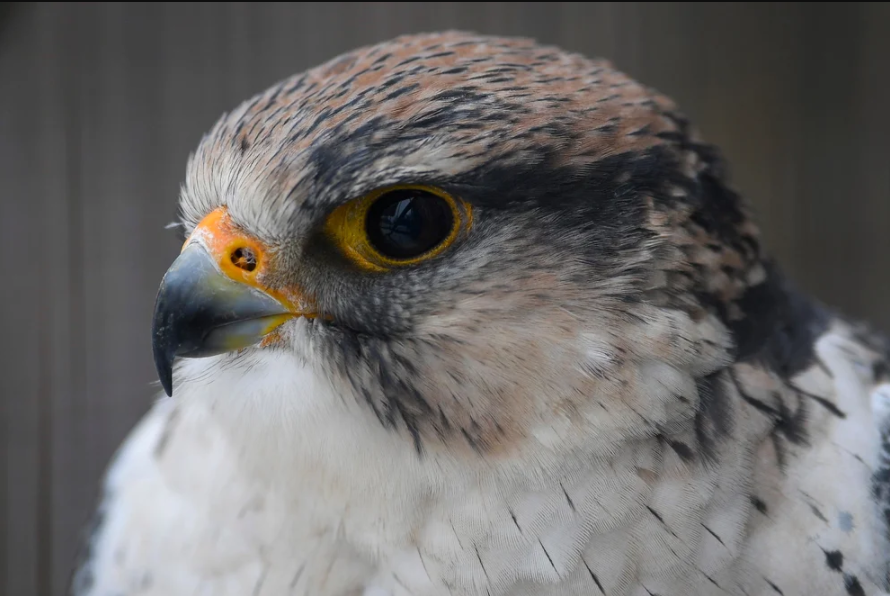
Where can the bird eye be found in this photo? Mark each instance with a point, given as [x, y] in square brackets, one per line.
[404, 224]
[395, 226]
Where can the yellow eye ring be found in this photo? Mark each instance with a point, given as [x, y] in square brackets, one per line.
[398, 226]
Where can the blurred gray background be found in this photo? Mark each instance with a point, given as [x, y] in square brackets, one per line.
[100, 105]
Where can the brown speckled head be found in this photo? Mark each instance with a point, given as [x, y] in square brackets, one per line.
[605, 242]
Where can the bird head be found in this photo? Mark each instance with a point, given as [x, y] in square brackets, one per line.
[476, 241]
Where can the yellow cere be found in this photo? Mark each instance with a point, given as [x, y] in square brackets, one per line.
[346, 227]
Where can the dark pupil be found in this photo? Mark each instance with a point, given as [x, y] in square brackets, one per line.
[407, 223]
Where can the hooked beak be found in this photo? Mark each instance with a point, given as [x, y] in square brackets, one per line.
[212, 300]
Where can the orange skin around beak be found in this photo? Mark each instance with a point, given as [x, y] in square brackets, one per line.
[243, 258]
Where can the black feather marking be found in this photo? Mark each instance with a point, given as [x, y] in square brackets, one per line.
[756, 403]
[682, 398]
[759, 505]
[481, 564]
[402, 91]
[817, 513]
[824, 368]
[515, 521]
[655, 513]
[401, 583]
[549, 558]
[438, 55]
[643, 130]
[714, 534]
[661, 519]
[779, 448]
[411, 425]
[473, 442]
[792, 425]
[834, 559]
[822, 402]
[774, 587]
[787, 424]
[682, 449]
[422, 562]
[593, 576]
[811, 502]
[852, 585]
[568, 498]
[880, 479]
[780, 325]
[713, 420]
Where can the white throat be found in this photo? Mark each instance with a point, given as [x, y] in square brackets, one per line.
[320, 466]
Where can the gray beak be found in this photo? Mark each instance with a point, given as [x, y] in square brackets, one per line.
[202, 312]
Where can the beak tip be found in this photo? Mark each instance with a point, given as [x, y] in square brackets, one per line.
[167, 383]
[160, 346]
[164, 366]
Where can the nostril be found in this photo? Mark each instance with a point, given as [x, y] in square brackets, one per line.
[244, 258]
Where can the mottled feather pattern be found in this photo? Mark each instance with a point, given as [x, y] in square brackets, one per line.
[607, 387]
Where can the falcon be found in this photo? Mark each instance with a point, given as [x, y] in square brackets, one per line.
[472, 316]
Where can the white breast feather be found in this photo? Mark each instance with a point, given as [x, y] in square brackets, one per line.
[200, 501]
